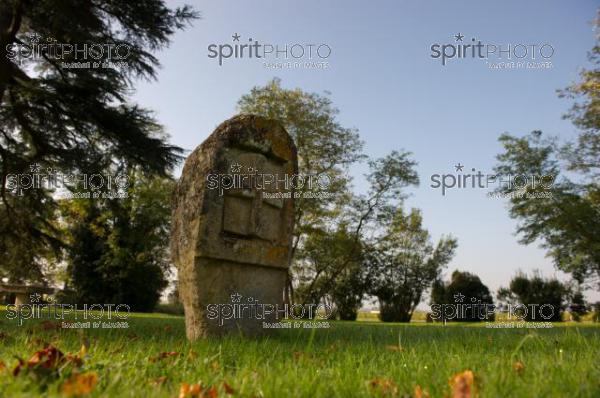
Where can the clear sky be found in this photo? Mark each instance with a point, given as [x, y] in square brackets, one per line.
[385, 84]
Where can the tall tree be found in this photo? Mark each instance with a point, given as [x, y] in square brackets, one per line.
[470, 288]
[404, 263]
[117, 250]
[543, 299]
[330, 234]
[584, 154]
[74, 119]
[566, 216]
[331, 264]
[325, 149]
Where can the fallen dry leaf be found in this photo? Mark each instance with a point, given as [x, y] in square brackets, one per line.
[210, 392]
[384, 386]
[519, 367]
[80, 384]
[49, 358]
[197, 391]
[420, 393]
[17, 368]
[463, 385]
[74, 359]
[190, 390]
[228, 389]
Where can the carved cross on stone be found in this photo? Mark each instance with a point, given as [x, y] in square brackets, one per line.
[247, 214]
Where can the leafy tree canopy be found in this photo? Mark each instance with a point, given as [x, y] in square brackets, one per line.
[73, 119]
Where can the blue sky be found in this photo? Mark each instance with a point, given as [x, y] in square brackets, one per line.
[386, 85]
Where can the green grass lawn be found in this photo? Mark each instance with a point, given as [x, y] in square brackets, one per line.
[342, 361]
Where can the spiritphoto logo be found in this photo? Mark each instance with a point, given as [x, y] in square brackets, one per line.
[83, 185]
[473, 308]
[70, 55]
[94, 316]
[272, 56]
[250, 308]
[270, 185]
[497, 55]
[517, 185]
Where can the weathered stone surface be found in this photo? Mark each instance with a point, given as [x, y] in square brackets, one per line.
[233, 241]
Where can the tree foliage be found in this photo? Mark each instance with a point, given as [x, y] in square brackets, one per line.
[567, 221]
[328, 264]
[337, 240]
[584, 153]
[117, 250]
[534, 292]
[466, 285]
[345, 277]
[404, 263]
[325, 149]
[73, 119]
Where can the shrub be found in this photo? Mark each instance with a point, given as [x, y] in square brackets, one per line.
[466, 288]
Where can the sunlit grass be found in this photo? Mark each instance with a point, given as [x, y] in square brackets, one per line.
[340, 361]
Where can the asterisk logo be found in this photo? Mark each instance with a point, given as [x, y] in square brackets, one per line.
[35, 167]
[35, 37]
[459, 37]
[236, 167]
[459, 167]
[236, 37]
[459, 297]
[236, 298]
[35, 297]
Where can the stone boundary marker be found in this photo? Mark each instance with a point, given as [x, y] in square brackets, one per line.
[232, 245]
